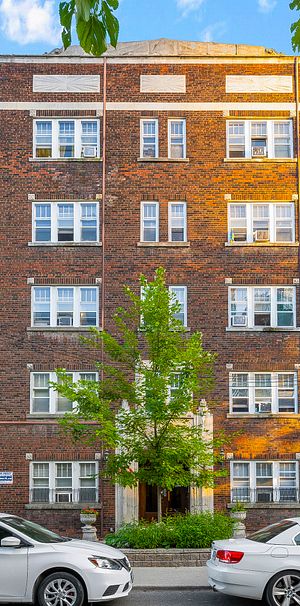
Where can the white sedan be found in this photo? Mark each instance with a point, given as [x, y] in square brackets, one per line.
[37, 565]
[265, 565]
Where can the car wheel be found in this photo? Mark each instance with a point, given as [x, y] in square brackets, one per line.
[60, 589]
[284, 589]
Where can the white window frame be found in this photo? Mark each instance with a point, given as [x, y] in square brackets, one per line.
[53, 306]
[272, 220]
[55, 137]
[155, 120]
[274, 392]
[253, 488]
[170, 205]
[270, 138]
[53, 395]
[183, 120]
[143, 204]
[250, 307]
[184, 289]
[75, 490]
[54, 222]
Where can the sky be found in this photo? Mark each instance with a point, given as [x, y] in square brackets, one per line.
[32, 26]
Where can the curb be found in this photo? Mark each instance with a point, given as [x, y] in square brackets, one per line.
[173, 588]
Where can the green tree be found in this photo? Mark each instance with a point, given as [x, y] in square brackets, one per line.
[154, 376]
[295, 27]
[95, 22]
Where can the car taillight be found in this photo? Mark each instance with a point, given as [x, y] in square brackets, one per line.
[228, 556]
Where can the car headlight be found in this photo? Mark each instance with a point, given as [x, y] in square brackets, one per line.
[105, 563]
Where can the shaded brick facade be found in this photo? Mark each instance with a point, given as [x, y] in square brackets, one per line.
[203, 265]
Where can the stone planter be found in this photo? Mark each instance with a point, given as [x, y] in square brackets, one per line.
[167, 557]
[88, 518]
[239, 528]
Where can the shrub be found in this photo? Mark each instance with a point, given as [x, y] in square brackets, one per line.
[182, 531]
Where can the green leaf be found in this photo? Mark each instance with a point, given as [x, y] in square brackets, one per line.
[66, 13]
[83, 8]
[113, 3]
[111, 23]
[91, 35]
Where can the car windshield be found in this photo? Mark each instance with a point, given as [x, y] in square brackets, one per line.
[270, 532]
[33, 531]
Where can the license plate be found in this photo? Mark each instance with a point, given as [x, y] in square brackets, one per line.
[213, 554]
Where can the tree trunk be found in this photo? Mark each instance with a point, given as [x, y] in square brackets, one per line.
[158, 503]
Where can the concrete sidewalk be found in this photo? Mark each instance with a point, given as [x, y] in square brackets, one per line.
[187, 577]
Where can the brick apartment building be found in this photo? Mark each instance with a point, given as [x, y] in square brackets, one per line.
[166, 153]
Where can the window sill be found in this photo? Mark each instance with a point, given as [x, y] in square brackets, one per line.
[45, 415]
[67, 506]
[61, 329]
[263, 160]
[260, 244]
[262, 329]
[163, 244]
[264, 415]
[286, 505]
[65, 159]
[69, 244]
[163, 159]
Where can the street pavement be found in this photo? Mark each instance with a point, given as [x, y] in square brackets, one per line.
[172, 577]
[184, 597]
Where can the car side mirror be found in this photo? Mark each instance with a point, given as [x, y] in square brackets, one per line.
[10, 542]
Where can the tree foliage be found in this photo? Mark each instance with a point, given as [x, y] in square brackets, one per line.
[151, 432]
[95, 23]
[295, 27]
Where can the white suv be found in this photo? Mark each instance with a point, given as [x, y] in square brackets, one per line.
[39, 565]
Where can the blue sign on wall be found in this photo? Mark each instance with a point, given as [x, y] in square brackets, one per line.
[6, 477]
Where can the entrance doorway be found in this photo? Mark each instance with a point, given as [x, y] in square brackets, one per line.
[172, 502]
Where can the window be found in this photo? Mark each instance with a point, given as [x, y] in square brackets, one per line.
[259, 138]
[177, 138]
[61, 138]
[262, 306]
[149, 138]
[263, 392]
[64, 482]
[65, 222]
[64, 306]
[177, 222]
[174, 385]
[264, 481]
[261, 222]
[149, 222]
[180, 293]
[44, 399]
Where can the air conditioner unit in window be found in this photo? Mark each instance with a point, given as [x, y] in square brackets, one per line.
[258, 150]
[261, 235]
[264, 497]
[239, 320]
[63, 497]
[263, 406]
[67, 321]
[89, 151]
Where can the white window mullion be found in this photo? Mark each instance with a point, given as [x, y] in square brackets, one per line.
[54, 211]
[252, 473]
[249, 208]
[276, 483]
[75, 480]
[248, 139]
[270, 136]
[76, 306]
[77, 138]
[250, 295]
[52, 475]
[53, 395]
[55, 145]
[274, 388]
[53, 306]
[273, 306]
[251, 383]
[77, 218]
[272, 222]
